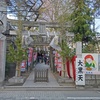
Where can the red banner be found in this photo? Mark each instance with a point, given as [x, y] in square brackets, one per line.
[23, 66]
[58, 62]
[30, 56]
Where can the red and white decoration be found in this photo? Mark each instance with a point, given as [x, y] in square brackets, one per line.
[58, 62]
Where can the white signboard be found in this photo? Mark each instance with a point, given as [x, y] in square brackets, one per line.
[91, 63]
[80, 76]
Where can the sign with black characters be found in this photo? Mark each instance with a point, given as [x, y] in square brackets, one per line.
[80, 76]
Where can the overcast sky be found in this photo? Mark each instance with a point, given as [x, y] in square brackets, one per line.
[97, 25]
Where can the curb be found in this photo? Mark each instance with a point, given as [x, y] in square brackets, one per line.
[62, 88]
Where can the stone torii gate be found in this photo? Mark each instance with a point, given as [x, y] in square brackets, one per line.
[42, 32]
[42, 29]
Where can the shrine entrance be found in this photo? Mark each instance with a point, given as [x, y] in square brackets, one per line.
[40, 37]
[37, 35]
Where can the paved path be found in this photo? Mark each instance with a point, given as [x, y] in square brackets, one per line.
[30, 80]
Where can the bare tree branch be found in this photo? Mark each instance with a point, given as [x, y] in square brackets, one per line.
[29, 9]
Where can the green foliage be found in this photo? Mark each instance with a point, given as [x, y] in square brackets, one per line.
[78, 37]
[17, 54]
[65, 52]
[89, 48]
[81, 18]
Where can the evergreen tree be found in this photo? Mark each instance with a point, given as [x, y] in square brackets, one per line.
[81, 18]
[66, 54]
[17, 55]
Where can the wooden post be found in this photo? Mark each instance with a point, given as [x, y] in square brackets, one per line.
[51, 61]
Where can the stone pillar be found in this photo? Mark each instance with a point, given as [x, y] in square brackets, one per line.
[2, 57]
[3, 18]
[79, 55]
[79, 49]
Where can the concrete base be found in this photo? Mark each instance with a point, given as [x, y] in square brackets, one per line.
[80, 87]
[16, 80]
[64, 80]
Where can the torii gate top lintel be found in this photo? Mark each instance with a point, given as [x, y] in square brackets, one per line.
[37, 24]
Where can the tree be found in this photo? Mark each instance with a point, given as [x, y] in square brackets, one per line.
[81, 18]
[29, 9]
[17, 55]
[22, 10]
[66, 54]
[59, 11]
[95, 4]
[52, 9]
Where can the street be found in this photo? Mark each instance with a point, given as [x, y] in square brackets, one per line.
[49, 95]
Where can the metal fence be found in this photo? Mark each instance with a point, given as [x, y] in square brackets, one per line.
[40, 75]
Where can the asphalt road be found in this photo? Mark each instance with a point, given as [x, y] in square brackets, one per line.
[49, 95]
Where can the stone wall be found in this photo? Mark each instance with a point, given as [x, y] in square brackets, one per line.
[92, 80]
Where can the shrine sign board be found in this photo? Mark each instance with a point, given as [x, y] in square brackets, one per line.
[80, 75]
[88, 64]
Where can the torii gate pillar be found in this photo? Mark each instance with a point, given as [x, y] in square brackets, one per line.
[79, 49]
